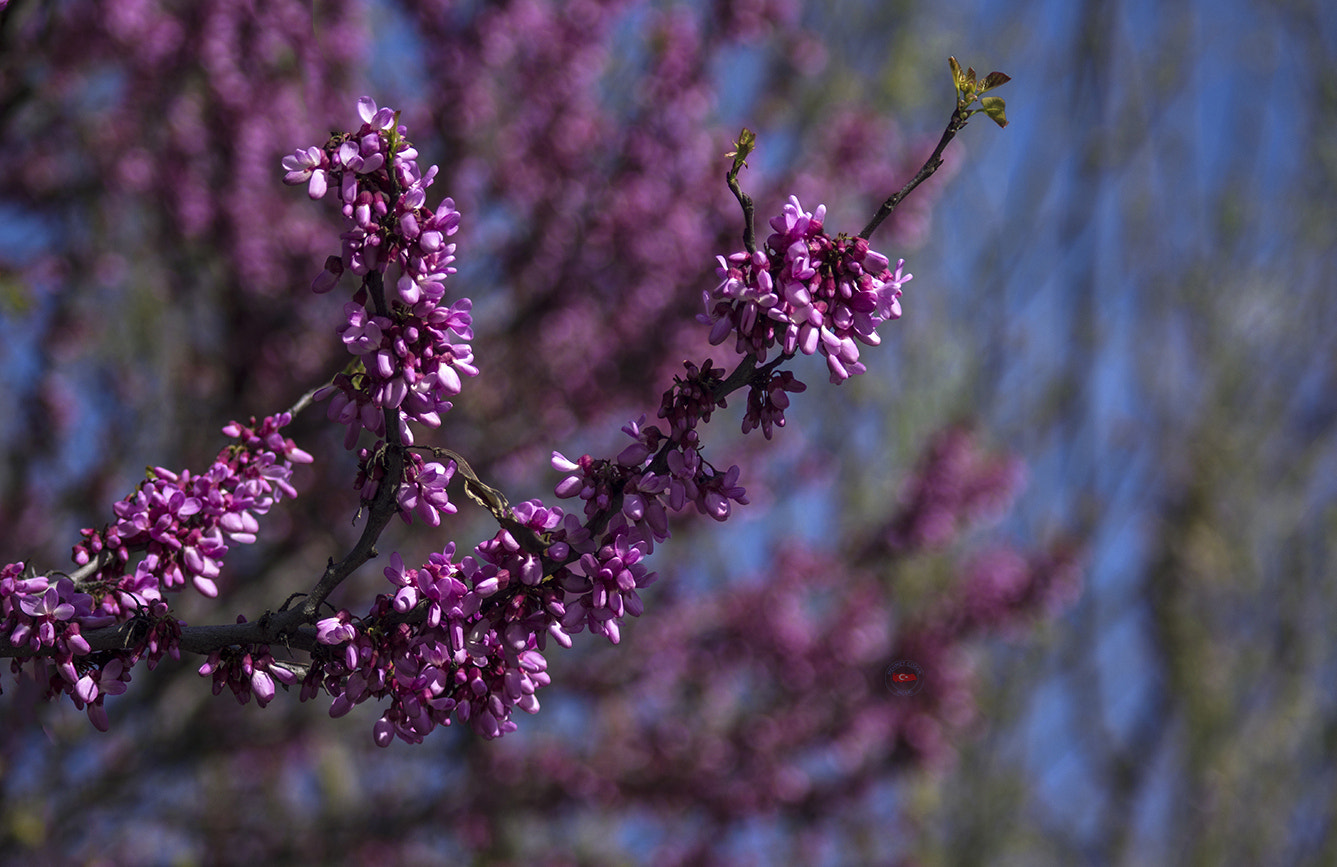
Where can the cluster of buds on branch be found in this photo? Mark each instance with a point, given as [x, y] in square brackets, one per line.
[458, 638]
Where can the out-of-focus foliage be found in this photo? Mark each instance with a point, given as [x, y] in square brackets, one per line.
[1152, 323]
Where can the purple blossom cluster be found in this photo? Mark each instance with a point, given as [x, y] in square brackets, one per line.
[181, 523]
[422, 487]
[41, 614]
[442, 646]
[246, 672]
[766, 404]
[805, 292]
[650, 478]
[464, 640]
[406, 359]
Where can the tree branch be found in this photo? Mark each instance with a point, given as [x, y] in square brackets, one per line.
[956, 124]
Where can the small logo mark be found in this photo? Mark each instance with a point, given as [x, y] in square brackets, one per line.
[905, 677]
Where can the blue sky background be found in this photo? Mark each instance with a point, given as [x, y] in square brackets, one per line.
[1154, 246]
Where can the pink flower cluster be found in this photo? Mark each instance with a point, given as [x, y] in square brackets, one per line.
[465, 640]
[650, 484]
[422, 488]
[440, 648]
[383, 193]
[658, 473]
[766, 405]
[39, 613]
[246, 671]
[182, 523]
[408, 361]
[806, 292]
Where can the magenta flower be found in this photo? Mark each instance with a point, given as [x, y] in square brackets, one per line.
[409, 360]
[47, 606]
[805, 292]
[337, 629]
[307, 166]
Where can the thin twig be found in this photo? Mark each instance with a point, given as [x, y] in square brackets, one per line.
[305, 400]
[749, 227]
[955, 125]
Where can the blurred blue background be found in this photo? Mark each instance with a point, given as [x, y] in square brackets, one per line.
[1136, 283]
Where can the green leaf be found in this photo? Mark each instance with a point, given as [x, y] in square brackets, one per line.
[747, 142]
[995, 79]
[958, 77]
[993, 107]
